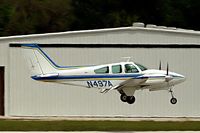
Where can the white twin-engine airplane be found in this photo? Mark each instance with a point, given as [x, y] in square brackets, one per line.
[125, 77]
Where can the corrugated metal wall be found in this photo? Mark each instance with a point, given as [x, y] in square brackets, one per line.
[32, 98]
[26, 97]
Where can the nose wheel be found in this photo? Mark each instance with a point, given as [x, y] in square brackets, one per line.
[173, 99]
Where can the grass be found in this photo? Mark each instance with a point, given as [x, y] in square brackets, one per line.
[68, 125]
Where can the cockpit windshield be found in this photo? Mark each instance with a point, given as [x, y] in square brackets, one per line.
[142, 68]
[130, 68]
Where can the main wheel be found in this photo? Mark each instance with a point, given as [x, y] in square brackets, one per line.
[130, 99]
[123, 98]
[173, 100]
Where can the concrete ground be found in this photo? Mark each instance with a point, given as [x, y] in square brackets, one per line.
[107, 118]
[113, 132]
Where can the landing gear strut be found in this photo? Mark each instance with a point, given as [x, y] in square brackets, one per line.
[128, 99]
[173, 99]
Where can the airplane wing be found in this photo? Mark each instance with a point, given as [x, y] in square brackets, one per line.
[129, 86]
[133, 82]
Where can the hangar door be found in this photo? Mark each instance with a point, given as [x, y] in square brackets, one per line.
[32, 98]
[1, 90]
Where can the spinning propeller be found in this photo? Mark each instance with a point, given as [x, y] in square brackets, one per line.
[160, 66]
[167, 77]
[167, 68]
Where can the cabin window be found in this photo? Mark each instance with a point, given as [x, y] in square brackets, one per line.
[130, 68]
[102, 70]
[116, 69]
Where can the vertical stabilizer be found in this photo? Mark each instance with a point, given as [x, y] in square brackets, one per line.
[38, 62]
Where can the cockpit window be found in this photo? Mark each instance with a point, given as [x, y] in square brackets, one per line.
[130, 68]
[102, 70]
[116, 69]
[142, 68]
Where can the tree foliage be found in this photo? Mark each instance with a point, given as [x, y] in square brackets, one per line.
[38, 16]
[41, 16]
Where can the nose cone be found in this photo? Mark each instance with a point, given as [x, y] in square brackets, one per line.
[180, 78]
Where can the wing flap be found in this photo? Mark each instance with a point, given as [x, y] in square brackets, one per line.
[128, 85]
[132, 83]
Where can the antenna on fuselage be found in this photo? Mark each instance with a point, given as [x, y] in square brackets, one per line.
[127, 58]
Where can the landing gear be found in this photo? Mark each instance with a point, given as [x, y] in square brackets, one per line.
[123, 98]
[128, 99]
[173, 99]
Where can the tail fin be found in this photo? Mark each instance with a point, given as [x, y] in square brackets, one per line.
[38, 61]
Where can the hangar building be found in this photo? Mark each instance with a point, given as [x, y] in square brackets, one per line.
[146, 44]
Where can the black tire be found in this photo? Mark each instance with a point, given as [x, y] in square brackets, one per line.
[130, 99]
[123, 98]
[173, 100]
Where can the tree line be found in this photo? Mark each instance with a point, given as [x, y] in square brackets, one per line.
[19, 17]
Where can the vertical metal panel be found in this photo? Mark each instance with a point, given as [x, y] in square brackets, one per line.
[32, 98]
[4, 54]
[4, 61]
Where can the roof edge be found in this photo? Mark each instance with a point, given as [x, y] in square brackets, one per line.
[178, 30]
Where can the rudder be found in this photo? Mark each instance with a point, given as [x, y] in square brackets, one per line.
[38, 62]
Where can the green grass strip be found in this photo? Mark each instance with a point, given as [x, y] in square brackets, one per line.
[68, 125]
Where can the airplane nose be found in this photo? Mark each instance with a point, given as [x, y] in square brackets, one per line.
[177, 78]
[181, 78]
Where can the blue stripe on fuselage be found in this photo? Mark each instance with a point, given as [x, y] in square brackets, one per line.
[73, 77]
[86, 77]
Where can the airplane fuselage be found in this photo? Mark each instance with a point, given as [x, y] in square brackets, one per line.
[86, 77]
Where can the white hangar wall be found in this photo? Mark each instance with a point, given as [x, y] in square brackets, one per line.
[26, 97]
[32, 98]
